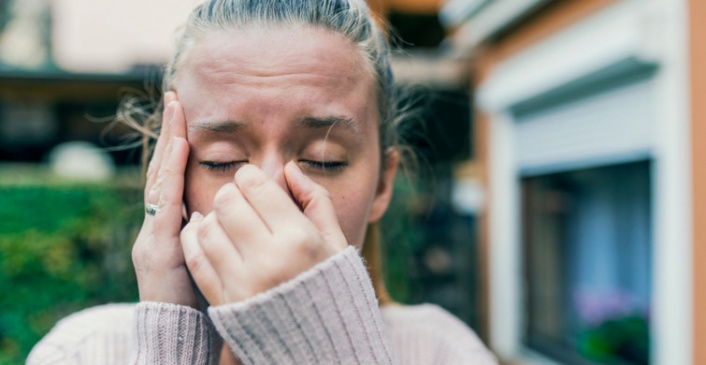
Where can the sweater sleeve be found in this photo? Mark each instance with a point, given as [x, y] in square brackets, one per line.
[327, 315]
[166, 333]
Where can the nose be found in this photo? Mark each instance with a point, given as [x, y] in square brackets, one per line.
[273, 166]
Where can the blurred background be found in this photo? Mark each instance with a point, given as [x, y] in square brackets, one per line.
[556, 204]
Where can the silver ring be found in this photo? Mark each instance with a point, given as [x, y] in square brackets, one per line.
[151, 209]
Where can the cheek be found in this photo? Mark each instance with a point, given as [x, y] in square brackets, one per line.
[352, 210]
[199, 190]
[352, 217]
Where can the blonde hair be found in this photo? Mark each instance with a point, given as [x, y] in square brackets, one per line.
[350, 18]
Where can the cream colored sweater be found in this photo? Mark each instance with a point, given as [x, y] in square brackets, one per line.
[327, 315]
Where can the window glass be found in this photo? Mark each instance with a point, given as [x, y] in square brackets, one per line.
[588, 248]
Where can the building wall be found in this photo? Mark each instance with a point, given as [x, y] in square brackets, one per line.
[697, 34]
[559, 16]
[112, 36]
[653, 31]
[105, 36]
[382, 7]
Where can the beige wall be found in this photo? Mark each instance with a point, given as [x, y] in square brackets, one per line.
[111, 36]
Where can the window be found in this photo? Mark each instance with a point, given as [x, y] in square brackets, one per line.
[588, 256]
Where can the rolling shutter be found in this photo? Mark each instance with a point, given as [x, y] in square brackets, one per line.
[607, 127]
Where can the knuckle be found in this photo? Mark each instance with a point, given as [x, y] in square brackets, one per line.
[226, 196]
[152, 190]
[168, 203]
[187, 231]
[275, 269]
[156, 188]
[195, 263]
[301, 242]
[202, 232]
[166, 172]
[206, 227]
[316, 195]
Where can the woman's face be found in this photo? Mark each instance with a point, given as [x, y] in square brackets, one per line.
[268, 97]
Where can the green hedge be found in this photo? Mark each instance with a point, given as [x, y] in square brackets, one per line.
[63, 247]
[402, 238]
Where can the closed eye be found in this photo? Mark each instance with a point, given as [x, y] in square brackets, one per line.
[325, 166]
[221, 166]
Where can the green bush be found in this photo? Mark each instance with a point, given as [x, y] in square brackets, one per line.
[401, 238]
[63, 247]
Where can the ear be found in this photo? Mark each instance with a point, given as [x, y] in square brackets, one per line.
[383, 195]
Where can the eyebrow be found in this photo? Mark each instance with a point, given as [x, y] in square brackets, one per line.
[328, 123]
[234, 126]
[229, 126]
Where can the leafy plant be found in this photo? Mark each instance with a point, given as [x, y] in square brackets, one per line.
[63, 247]
[402, 238]
[620, 340]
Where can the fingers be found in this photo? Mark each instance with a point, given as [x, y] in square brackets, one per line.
[211, 257]
[233, 253]
[277, 210]
[169, 190]
[316, 205]
[165, 187]
[178, 127]
[238, 218]
[268, 199]
[203, 273]
[174, 125]
[162, 140]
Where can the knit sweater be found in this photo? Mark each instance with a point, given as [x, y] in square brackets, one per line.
[326, 315]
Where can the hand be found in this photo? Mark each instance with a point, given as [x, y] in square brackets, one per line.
[157, 253]
[257, 237]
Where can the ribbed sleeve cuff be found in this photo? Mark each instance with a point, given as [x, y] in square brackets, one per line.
[327, 315]
[173, 334]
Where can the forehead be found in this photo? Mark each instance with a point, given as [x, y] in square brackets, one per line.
[276, 72]
[277, 51]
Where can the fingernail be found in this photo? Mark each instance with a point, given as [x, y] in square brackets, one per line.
[294, 169]
[170, 112]
[184, 212]
[195, 216]
[169, 96]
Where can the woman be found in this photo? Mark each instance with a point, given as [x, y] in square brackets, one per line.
[278, 141]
